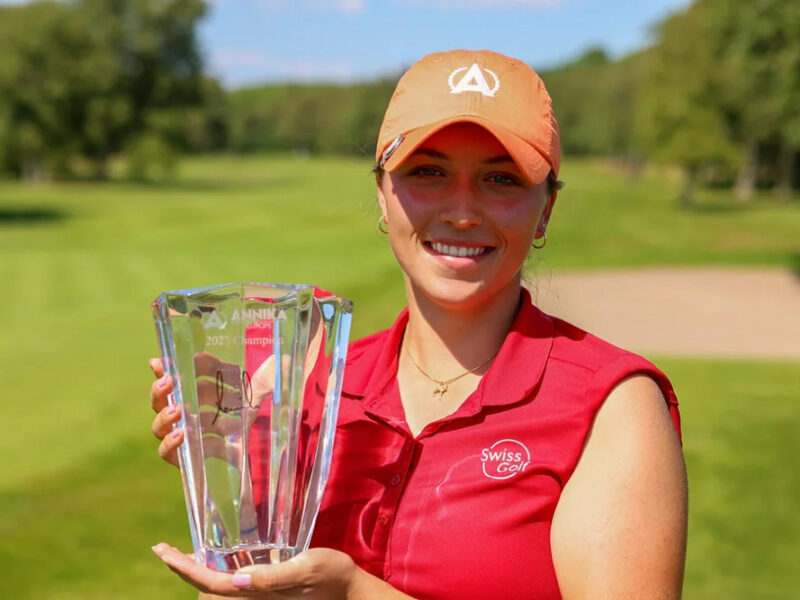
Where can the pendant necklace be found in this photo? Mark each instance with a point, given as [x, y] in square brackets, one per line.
[441, 386]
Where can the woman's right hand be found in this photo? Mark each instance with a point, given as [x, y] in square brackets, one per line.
[166, 414]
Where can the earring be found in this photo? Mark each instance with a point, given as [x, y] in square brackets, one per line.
[542, 245]
[383, 225]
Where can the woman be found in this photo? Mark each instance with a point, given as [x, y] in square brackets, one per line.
[484, 449]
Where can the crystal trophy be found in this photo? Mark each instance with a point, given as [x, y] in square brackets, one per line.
[257, 369]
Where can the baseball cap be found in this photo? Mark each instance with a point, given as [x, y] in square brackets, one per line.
[502, 94]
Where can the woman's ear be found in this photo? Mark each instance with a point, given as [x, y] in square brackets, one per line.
[548, 211]
[382, 200]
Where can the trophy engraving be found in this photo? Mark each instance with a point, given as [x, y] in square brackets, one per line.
[257, 370]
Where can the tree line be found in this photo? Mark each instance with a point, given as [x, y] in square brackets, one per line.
[717, 93]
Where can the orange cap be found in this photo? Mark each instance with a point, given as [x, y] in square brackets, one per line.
[502, 94]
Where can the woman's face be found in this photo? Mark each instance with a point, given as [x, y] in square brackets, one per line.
[462, 217]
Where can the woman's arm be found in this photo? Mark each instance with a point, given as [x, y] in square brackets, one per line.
[619, 530]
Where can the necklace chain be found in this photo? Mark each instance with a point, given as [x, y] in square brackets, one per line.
[442, 385]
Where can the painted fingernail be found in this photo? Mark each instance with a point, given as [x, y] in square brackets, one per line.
[242, 580]
[176, 433]
[163, 381]
[173, 408]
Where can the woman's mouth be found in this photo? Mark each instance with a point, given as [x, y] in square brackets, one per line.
[458, 250]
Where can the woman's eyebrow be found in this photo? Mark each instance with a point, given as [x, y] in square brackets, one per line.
[429, 152]
[498, 159]
[503, 158]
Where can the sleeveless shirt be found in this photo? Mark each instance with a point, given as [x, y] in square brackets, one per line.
[463, 510]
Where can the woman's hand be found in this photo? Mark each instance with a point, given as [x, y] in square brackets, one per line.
[166, 414]
[210, 373]
[317, 574]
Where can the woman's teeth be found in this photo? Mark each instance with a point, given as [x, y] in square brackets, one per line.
[460, 251]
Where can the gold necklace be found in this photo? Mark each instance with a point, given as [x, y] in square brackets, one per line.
[441, 386]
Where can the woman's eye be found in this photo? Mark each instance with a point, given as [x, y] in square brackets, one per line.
[427, 171]
[504, 178]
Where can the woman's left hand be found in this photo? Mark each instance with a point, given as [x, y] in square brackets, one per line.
[316, 574]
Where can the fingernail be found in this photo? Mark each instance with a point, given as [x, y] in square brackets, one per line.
[158, 550]
[163, 381]
[153, 363]
[242, 580]
[173, 408]
[175, 432]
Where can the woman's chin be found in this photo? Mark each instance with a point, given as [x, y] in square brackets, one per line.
[461, 296]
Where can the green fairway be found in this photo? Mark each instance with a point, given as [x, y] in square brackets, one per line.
[82, 492]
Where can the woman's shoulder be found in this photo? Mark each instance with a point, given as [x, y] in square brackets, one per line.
[578, 347]
[603, 366]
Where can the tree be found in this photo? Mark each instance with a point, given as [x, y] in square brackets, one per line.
[154, 69]
[35, 82]
[86, 77]
[678, 118]
[758, 44]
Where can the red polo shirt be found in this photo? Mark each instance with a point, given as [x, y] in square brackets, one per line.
[464, 509]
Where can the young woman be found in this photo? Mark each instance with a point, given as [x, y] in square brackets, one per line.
[484, 449]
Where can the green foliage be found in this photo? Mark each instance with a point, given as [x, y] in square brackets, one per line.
[723, 84]
[593, 99]
[308, 118]
[150, 157]
[757, 44]
[35, 80]
[678, 117]
[84, 77]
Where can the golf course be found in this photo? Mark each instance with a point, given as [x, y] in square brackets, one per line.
[83, 493]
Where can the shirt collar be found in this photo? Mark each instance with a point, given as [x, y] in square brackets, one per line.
[513, 376]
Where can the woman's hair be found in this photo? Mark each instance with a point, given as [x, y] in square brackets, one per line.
[554, 184]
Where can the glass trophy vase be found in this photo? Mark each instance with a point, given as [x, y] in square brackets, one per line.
[257, 370]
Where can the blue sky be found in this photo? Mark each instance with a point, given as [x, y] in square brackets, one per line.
[246, 42]
[251, 41]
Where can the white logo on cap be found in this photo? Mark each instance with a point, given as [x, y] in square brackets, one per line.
[473, 81]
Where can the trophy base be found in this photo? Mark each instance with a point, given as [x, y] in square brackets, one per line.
[242, 556]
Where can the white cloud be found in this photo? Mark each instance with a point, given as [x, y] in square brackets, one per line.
[343, 6]
[253, 65]
[351, 6]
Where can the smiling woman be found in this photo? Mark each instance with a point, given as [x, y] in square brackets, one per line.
[484, 449]
[462, 217]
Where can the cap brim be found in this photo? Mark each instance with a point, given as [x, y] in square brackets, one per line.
[530, 161]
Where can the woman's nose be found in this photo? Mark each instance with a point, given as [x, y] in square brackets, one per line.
[462, 207]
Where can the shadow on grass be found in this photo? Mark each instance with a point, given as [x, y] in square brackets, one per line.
[721, 207]
[31, 215]
[209, 182]
[725, 203]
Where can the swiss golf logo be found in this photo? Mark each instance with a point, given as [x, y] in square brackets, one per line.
[474, 79]
[504, 459]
